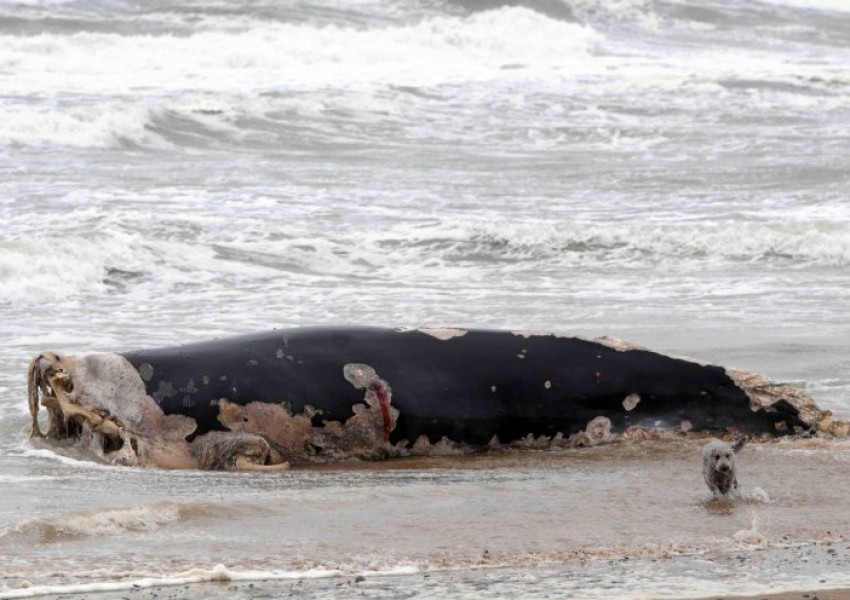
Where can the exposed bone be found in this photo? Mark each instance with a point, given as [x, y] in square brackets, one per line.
[243, 464]
[763, 393]
[126, 456]
[74, 411]
[231, 450]
[46, 373]
[48, 376]
[33, 376]
[105, 397]
[102, 401]
[94, 428]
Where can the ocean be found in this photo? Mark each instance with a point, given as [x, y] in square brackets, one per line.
[670, 172]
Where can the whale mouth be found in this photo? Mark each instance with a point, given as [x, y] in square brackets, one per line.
[51, 385]
[150, 441]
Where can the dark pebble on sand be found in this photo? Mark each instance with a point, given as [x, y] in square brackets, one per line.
[359, 578]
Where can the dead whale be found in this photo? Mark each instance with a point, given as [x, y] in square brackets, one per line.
[265, 400]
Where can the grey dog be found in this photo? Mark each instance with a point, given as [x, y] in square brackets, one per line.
[719, 467]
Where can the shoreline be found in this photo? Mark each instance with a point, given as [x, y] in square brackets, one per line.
[842, 593]
[817, 572]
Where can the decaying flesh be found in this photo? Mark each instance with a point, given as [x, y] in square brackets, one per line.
[364, 435]
[763, 393]
[229, 451]
[99, 401]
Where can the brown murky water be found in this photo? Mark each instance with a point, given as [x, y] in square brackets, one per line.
[599, 518]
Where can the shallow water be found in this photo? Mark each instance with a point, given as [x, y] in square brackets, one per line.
[498, 517]
[672, 173]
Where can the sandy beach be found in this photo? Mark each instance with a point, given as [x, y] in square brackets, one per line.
[801, 573]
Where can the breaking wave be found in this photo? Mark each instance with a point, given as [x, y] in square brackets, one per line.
[645, 245]
[501, 245]
[115, 262]
[100, 523]
[294, 56]
[100, 126]
[159, 90]
[64, 266]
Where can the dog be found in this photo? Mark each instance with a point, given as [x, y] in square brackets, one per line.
[719, 467]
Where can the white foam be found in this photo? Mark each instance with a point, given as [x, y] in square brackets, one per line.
[27, 450]
[66, 265]
[118, 89]
[752, 537]
[290, 56]
[391, 571]
[620, 244]
[632, 585]
[102, 125]
[754, 495]
[216, 573]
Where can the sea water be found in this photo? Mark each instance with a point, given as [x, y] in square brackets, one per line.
[671, 172]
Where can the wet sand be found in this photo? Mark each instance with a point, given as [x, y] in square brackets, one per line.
[838, 594]
[626, 521]
[819, 571]
[361, 588]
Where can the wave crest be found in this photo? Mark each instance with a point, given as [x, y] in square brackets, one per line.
[93, 524]
[628, 245]
[107, 125]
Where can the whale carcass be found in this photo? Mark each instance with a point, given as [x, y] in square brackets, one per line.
[263, 401]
